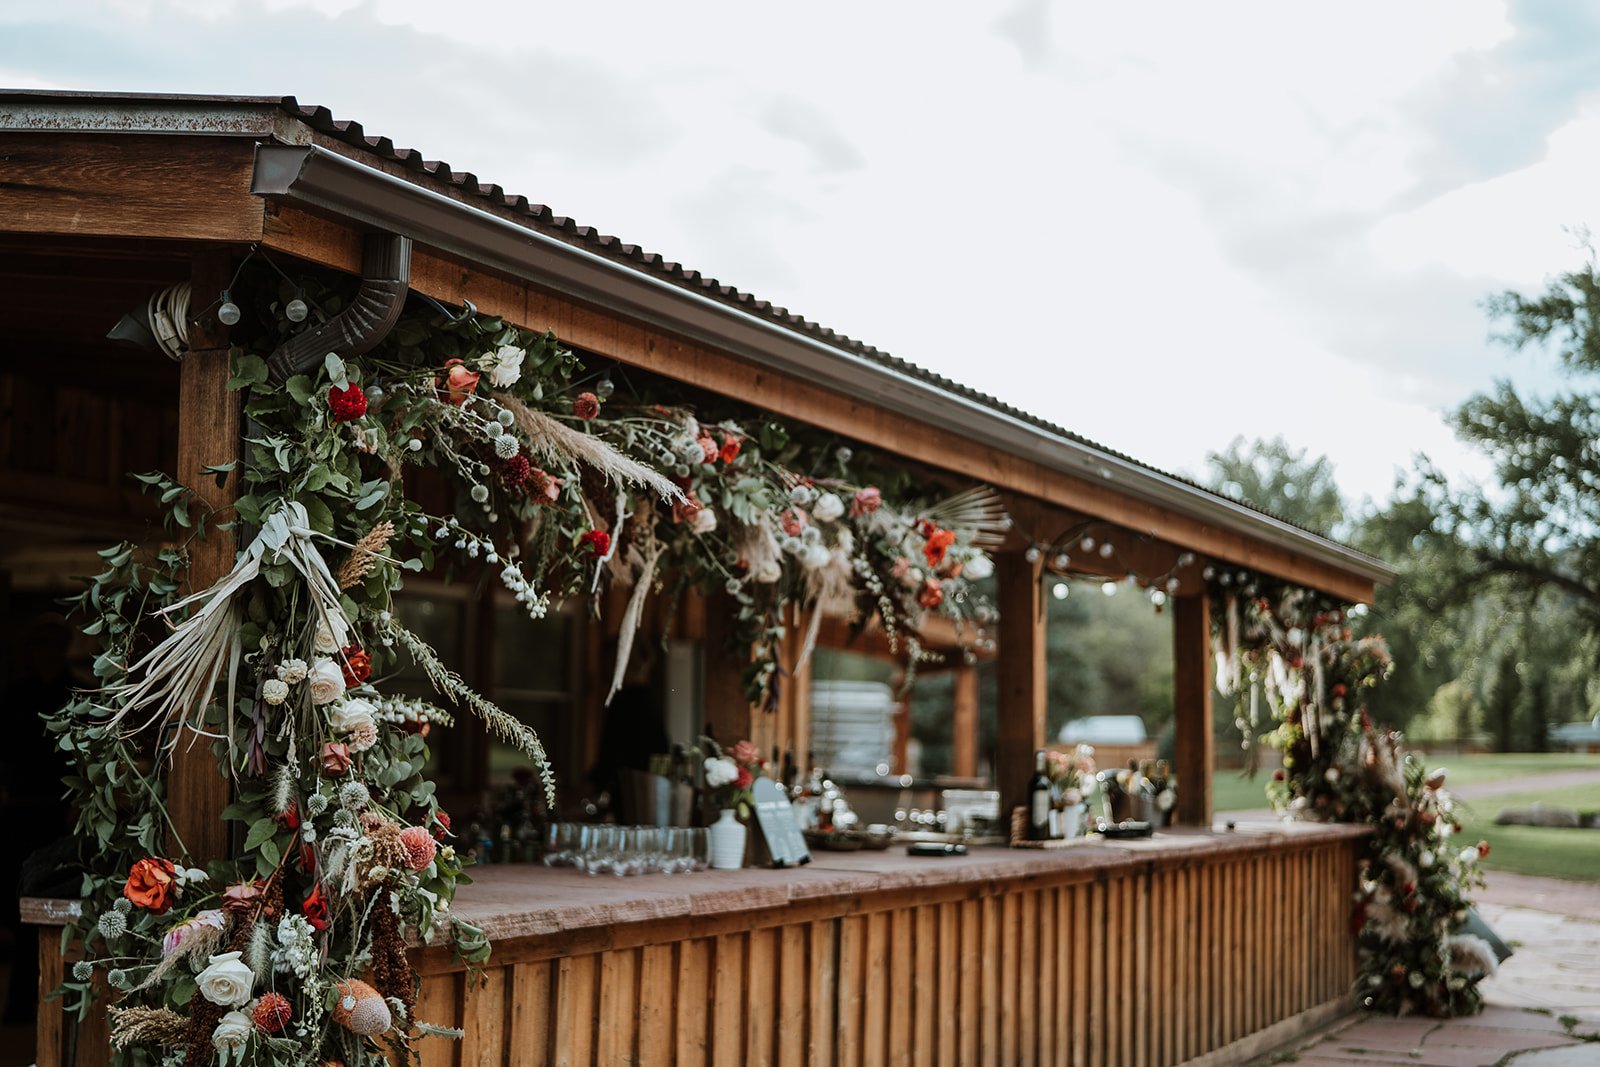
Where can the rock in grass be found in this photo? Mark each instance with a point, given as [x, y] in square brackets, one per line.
[1538, 815]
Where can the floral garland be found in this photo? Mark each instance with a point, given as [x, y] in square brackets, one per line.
[1413, 899]
[294, 952]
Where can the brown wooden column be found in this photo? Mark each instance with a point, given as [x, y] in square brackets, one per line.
[208, 434]
[964, 722]
[1022, 676]
[1191, 689]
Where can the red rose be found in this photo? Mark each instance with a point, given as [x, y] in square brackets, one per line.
[357, 665]
[866, 501]
[1338, 691]
[335, 758]
[442, 824]
[730, 449]
[1483, 849]
[151, 884]
[932, 595]
[315, 909]
[586, 407]
[460, 382]
[597, 541]
[744, 779]
[347, 404]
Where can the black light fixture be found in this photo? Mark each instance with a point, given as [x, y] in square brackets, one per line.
[160, 324]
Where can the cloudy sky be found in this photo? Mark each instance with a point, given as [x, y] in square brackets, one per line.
[1159, 224]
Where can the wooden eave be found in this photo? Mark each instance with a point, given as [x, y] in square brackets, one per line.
[196, 187]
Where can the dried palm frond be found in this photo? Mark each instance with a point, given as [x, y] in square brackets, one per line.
[556, 440]
[176, 679]
[977, 513]
[830, 590]
[365, 555]
[650, 554]
[147, 1026]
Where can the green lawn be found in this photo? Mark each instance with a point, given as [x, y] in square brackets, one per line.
[1548, 853]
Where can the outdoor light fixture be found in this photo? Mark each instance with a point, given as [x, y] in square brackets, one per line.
[1060, 591]
[604, 387]
[228, 311]
[296, 310]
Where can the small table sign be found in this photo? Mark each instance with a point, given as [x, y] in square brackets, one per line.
[780, 831]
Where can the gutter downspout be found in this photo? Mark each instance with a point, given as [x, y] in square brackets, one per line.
[367, 320]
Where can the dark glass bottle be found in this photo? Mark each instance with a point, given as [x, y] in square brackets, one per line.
[1037, 823]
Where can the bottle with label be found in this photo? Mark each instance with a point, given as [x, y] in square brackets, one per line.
[1039, 803]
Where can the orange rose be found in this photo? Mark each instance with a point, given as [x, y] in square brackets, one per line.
[460, 382]
[151, 884]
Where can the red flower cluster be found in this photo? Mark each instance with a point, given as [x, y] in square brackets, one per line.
[730, 448]
[586, 407]
[442, 821]
[347, 404]
[932, 594]
[598, 542]
[151, 884]
[708, 448]
[356, 664]
[273, 1012]
[939, 542]
[315, 909]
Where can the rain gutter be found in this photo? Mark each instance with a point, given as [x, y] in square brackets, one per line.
[317, 178]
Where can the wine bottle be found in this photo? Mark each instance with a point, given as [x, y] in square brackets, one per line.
[1038, 808]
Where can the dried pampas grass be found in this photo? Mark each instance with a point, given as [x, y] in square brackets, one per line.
[557, 441]
[365, 555]
[147, 1026]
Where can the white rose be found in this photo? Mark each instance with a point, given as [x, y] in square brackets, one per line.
[721, 771]
[704, 521]
[768, 571]
[327, 641]
[347, 716]
[226, 981]
[232, 1031]
[274, 691]
[505, 366]
[978, 568]
[827, 508]
[327, 681]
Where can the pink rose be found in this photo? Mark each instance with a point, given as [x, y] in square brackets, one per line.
[745, 752]
[866, 502]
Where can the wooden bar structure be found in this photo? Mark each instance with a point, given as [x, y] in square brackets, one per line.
[1197, 946]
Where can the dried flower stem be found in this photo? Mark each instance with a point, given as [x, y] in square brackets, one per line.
[364, 555]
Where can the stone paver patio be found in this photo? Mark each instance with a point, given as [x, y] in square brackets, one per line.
[1540, 1009]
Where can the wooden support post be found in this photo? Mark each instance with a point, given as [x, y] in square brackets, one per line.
[964, 722]
[1191, 689]
[901, 756]
[1022, 677]
[208, 434]
[798, 738]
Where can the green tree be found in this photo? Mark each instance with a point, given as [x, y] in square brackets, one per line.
[1278, 478]
[1502, 699]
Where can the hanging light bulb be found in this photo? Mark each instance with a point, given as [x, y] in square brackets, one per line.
[1106, 550]
[1033, 554]
[1186, 559]
[843, 454]
[228, 312]
[1059, 590]
[604, 387]
[296, 310]
[1209, 573]
[1087, 544]
[1062, 561]
[1172, 585]
[1157, 597]
[1109, 588]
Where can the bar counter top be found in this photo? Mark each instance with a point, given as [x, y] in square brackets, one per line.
[527, 900]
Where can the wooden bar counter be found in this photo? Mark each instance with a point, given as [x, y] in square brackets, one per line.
[1190, 946]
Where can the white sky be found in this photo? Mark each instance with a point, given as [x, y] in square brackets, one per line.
[1160, 225]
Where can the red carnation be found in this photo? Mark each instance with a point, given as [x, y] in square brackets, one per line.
[939, 542]
[290, 819]
[586, 407]
[744, 779]
[273, 1012]
[599, 542]
[347, 404]
[730, 448]
[515, 471]
[357, 665]
[442, 821]
[315, 909]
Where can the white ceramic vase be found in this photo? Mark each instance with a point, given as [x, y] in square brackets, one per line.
[727, 842]
[1072, 821]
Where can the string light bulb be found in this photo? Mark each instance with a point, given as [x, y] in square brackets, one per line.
[1059, 591]
[1109, 588]
[1033, 554]
[296, 310]
[604, 387]
[1087, 544]
[1062, 561]
[228, 311]
[1106, 548]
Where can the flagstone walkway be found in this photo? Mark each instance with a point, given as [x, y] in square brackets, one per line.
[1543, 1008]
